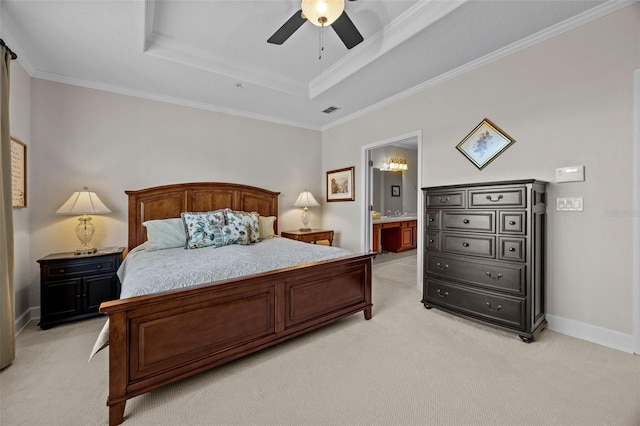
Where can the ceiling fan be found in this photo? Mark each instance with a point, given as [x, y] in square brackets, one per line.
[321, 13]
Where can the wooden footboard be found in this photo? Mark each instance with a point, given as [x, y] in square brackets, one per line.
[158, 339]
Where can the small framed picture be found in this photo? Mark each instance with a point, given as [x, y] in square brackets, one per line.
[18, 174]
[340, 185]
[484, 144]
[395, 190]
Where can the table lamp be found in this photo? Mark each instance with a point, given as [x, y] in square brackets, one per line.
[305, 200]
[84, 203]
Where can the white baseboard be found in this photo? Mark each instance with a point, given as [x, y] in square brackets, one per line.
[592, 333]
[24, 319]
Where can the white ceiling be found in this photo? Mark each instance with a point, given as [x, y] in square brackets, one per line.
[213, 54]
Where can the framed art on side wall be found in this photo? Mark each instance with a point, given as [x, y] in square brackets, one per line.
[18, 174]
[485, 143]
[340, 185]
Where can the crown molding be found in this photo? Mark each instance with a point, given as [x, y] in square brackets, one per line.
[412, 21]
[166, 99]
[560, 28]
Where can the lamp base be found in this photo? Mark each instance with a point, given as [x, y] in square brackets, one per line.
[304, 229]
[83, 251]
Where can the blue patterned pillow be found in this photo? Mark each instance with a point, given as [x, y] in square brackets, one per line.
[248, 220]
[203, 229]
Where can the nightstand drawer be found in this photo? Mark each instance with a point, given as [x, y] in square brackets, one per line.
[67, 269]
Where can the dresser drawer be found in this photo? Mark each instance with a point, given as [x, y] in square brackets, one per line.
[493, 276]
[67, 269]
[511, 249]
[475, 245]
[470, 221]
[433, 219]
[512, 222]
[505, 197]
[433, 240]
[446, 199]
[508, 311]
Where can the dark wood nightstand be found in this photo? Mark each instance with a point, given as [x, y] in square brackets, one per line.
[73, 286]
[310, 236]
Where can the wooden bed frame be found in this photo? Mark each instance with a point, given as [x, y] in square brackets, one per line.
[159, 339]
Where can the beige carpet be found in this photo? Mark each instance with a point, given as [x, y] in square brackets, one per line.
[406, 366]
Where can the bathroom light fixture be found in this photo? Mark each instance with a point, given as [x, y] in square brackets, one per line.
[397, 165]
[84, 203]
[306, 200]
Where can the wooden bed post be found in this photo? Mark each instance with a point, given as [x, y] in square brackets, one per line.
[117, 367]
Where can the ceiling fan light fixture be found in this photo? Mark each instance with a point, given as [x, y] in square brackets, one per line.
[322, 12]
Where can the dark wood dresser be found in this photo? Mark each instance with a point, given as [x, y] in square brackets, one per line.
[73, 286]
[484, 253]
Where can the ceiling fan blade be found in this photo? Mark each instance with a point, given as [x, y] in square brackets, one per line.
[287, 29]
[347, 31]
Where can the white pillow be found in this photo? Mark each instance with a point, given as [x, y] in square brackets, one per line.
[266, 227]
[164, 234]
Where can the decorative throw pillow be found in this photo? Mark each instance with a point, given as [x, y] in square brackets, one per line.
[203, 229]
[266, 227]
[249, 220]
[235, 234]
[164, 234]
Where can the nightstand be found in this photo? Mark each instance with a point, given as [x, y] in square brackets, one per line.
[310, 236]
[73, 286]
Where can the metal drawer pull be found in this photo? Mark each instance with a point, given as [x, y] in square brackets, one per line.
[491, 276]
[512, 222]
[493, 309]
[99, 267]
[441, 267]
[443, 199]
[512, 249]
[431, 219]
[445, 294]
[465, 221]
[465, 244]
[61, 271]
[490, 198]
[431, 241]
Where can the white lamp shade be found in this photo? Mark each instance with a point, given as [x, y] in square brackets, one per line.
[305, 199]
[83, 202]
[322, 12]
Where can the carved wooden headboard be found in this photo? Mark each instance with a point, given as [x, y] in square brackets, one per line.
[168, 201]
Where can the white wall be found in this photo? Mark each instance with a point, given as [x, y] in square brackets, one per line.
[112, 143]
[567, 101]
[20, 126]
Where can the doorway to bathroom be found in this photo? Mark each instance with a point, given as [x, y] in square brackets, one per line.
[393, 198]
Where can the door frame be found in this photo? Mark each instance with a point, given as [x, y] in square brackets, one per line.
[367, 190]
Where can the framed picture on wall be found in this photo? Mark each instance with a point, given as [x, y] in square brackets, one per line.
[485, 143]
[395, 190]
[18, 174]
[340, 185]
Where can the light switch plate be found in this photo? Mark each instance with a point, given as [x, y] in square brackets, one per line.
[570, 174]
[570, 204]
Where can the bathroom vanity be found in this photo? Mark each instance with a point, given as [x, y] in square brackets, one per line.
[395, 234]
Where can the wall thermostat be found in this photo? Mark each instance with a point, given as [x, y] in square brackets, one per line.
[570, 174]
